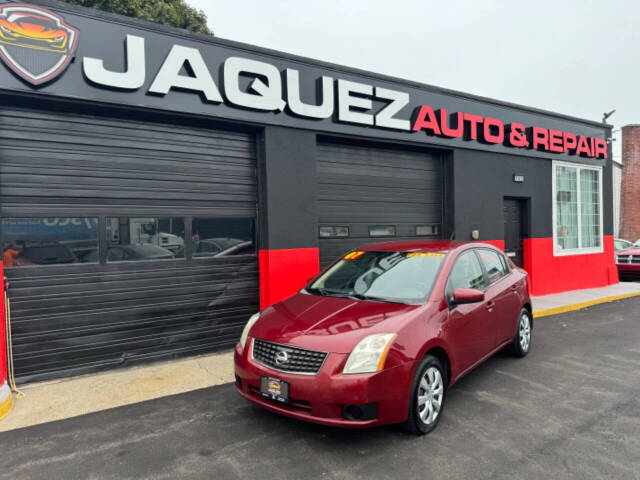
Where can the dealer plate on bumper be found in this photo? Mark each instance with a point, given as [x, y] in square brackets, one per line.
[274, 389]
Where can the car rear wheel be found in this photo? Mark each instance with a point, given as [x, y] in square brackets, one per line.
[522, 341]
[427, 396]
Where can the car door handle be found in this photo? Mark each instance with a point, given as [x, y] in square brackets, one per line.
[490, 305]
[514, 287]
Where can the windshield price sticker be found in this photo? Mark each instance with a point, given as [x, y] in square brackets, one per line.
[425, 254]
[353, 255]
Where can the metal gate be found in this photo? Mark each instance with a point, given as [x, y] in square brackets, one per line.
[184, 189]
[370, 194]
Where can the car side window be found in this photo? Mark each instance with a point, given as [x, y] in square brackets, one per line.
[493, 264]
[466, 273]
[505, 264]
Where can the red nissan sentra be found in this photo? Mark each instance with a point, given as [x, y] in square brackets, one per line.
[381, 334]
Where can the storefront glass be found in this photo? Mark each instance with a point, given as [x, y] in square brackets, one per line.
[578, 219]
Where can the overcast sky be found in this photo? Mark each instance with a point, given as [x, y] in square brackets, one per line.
[580, 58]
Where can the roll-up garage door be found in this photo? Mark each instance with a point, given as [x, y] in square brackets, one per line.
[124, 240]
[370, 194]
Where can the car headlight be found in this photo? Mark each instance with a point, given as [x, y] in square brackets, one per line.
[245, 333]
[370, 354]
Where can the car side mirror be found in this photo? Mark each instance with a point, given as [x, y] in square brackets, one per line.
[467, 295]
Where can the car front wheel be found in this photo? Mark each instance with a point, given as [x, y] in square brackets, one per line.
[427, 396]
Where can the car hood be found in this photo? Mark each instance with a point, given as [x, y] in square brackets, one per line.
[629, 251]
[329, 324]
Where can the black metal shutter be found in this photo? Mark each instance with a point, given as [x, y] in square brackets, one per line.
[363, 186]
[79, 318]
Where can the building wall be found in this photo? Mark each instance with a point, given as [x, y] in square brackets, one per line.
[630, 209]
[288, 253]
[481, 181]
[476, 186]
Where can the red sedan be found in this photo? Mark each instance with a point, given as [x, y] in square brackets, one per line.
[628, 263]
[381, 334]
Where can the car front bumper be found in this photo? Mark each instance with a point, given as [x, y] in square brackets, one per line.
[629, 270]
[320, 398]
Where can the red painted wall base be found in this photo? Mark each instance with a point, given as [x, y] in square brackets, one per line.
[554, 274]
[285, 271]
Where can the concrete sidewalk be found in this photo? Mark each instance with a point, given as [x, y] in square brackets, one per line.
[579, 299]
[70, 397]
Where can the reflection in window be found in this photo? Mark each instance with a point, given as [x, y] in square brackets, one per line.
[427, 230]
[493, 264]
[334, 232]
[138, 239]
[48, 241]
[403, 277]
[382, 231]
[466, 273]
[220, 237]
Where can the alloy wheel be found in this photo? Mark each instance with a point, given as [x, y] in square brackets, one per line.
[430, 395]
[525, 332]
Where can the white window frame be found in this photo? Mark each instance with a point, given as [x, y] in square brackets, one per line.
[580, 250]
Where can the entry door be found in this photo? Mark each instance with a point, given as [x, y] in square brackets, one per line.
[513, 229]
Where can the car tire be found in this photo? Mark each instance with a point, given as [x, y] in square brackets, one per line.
[521, 343]
[428, 392]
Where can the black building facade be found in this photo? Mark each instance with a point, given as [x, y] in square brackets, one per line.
[158, 187]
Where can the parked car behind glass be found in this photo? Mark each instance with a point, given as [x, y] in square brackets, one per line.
[120, 253]
[44, 254]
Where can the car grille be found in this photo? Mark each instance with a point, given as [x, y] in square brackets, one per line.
[298, 360]
[628, 259]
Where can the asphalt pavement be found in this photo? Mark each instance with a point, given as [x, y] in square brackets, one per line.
[570, 410]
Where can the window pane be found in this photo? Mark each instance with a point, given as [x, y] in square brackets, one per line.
[338, 232]
[492, 264]
[427, 230]
[466, 273]
[139, 239]
[382, 231]
[590, 208]
[219, 237]
[566, 207]
[49, 241]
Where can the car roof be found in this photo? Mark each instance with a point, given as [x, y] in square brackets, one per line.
[145, 247]
[417, 246]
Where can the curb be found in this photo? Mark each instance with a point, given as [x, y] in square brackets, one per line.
[579, 306]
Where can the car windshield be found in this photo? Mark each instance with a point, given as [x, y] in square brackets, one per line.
[398, 277]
